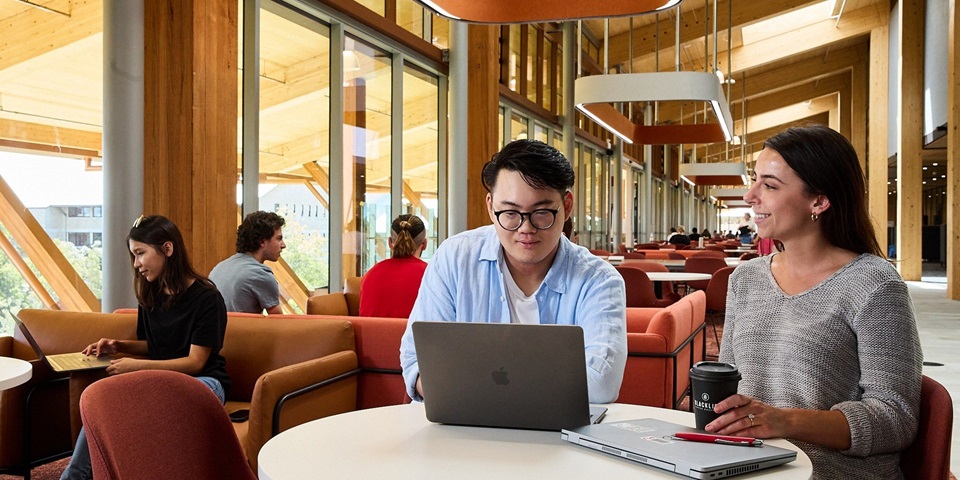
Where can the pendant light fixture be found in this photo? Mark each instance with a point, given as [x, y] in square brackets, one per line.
[529, 11]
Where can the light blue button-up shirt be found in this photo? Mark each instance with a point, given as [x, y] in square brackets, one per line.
[464, 283]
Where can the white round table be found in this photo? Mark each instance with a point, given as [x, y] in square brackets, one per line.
[677, 276]
[13, 372]
[399, 442]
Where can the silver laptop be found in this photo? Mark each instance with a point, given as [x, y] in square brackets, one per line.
[63, 362]
[504, 375]
[651, 442]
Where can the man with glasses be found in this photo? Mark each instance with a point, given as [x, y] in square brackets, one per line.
[522, 270]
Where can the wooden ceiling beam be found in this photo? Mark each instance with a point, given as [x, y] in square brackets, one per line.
[856, 23]
[791, 96]
[754, 146]
[805, 72]
[34, 32]
[692, 27]
[39, 134]
[790, 113]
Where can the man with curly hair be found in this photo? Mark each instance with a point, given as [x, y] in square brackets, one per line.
[247, 285]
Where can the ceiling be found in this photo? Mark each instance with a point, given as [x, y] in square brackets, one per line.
[792, 61]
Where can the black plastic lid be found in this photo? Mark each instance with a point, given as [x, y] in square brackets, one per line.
[716, 370]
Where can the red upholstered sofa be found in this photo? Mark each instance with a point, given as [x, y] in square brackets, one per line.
[662, 345]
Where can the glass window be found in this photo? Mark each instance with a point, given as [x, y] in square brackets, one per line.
[546, 73]
[500, 124]
[410, 17]
[52, 95]
[513, 59]
[541, 133]
[294, 137]
[518, 127]
[441, 31]
[367, 113]
[376, 5]
[588, 194]
[531, 63]
[420, 151]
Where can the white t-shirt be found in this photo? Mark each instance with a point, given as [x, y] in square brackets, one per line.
[523, 309]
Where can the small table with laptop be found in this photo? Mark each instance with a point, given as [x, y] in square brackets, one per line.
[511, 401]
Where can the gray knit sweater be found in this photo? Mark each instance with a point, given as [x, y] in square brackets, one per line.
[849, 344]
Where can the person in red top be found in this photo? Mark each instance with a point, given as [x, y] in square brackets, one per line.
[390, 288]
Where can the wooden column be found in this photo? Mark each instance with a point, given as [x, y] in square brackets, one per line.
[858, 110]
[877, 155]
[953, 156]
[910, 140]
[190, 122]
[483, 100]
[845, 108]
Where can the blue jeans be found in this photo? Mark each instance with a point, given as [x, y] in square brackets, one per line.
[81, 468]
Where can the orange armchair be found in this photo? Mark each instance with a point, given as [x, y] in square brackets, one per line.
[662, 345]
[342, 303]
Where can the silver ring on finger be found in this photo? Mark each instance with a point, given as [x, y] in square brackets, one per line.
[751, 417]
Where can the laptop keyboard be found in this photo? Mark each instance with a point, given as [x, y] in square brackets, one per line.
[70, 362]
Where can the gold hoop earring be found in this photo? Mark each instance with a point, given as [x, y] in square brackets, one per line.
[814, 217]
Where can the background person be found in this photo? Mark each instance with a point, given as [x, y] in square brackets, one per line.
[518, 270]
[745, 229]
[680, 237]
[247, 285]
[823, 331]
[390, 287]
[181, 321]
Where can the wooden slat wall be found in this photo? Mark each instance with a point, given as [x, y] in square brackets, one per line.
[190, 122]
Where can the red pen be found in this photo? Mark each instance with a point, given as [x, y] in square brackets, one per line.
[721, 439]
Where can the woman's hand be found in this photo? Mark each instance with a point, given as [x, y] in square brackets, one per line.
[104, 346]
[125, 365]
[748, 417]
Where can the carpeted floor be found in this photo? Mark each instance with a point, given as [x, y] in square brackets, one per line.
[50, 471]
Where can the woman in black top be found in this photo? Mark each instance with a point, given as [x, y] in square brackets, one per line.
[181, 320]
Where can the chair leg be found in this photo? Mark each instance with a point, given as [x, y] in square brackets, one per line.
[713, 319]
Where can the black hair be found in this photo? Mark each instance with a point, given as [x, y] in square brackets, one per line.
[540, 165]
[408, 232]
[827, 164]
[156, 230]
[256, 228]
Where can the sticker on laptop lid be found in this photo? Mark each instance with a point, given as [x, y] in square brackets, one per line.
[633, 427]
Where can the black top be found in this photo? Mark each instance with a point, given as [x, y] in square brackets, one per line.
[199, 317]
[679, 239]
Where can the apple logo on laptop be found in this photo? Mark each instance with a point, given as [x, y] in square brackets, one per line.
[500, 377]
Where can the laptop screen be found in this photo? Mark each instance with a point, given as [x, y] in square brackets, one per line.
[503, 375]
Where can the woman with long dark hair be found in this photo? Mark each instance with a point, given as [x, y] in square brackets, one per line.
[181, 320]
[823, 330]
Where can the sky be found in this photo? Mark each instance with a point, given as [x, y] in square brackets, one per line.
[43, 181]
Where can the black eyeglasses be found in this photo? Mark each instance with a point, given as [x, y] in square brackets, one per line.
[541, 218]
